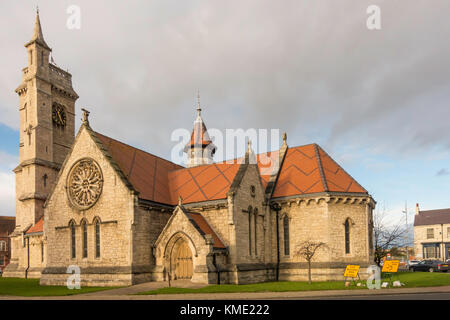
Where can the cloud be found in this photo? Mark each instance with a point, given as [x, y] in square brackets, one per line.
[310, 68]
[7, 194]
[7, 183]
[443, 172]
[8, 161]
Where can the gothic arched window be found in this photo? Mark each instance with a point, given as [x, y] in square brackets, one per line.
[286, 235]
[85, 239]
[97, 238]
[347, 236]
[72, 240]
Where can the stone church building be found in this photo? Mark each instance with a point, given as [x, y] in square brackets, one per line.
[125, 216]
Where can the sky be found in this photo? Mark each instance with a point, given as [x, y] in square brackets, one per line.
[376, 100]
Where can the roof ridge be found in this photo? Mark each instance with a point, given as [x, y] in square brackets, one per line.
[434, 210]
[321, 171]
[342, 168]
[129, 145]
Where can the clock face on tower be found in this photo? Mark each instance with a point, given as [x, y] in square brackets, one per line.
[59, 115]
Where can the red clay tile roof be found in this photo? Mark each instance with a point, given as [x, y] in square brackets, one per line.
[146, 172]
[336, 179]
[202, 183]
[306, 169]
[199, 136]
[38, 227]
[7, 225]
[430, 217]
[267, 162]
[201, 223]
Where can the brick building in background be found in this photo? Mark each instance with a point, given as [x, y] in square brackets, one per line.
[7, 225]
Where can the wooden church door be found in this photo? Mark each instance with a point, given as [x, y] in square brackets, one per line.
[183, 261]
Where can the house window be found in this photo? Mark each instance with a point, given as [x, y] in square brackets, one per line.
[2, 260]
[97, 239]
[42, 251]
[72, 241]
[2, 245]
[85, 239]
[431, 251]
[430, 233]
[448, 232]
[347, 236]
[286, 235]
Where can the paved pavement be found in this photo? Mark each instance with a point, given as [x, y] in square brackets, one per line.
[388, 294]
[143, 287]
[398, 296]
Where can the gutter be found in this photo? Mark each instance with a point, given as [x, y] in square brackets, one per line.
[217, 269]
[276, 207]
[28, 258]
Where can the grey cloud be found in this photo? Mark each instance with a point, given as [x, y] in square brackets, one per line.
[443, 172]
[310, 68]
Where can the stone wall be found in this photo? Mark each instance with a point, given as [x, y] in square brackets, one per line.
[244, 198]
[147, 226]
[322, 219]
[114, 208]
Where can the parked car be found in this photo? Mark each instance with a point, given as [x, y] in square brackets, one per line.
[412, 263]
[426, 265]
[443, 266]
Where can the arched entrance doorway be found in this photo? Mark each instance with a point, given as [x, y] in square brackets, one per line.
[181, 260]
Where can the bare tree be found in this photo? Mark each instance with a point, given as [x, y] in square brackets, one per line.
[385, 236]
[307, 250]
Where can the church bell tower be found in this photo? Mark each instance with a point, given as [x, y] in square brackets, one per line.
[200, 149]
[47, 128]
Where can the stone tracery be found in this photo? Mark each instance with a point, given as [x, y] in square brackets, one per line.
[85, 183]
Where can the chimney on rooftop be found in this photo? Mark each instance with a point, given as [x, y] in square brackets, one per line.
[417, 208]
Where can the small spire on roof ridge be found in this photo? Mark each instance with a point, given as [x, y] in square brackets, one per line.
[250, 156]
[180, 200]
[284, 138]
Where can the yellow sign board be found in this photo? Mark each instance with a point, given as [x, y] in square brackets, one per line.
[351, 271]
[390, 266]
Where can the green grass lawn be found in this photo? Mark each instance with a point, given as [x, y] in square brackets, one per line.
[31, 288]
[410, 279]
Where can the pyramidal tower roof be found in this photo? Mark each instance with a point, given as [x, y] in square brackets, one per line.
[37, 34]
[199, 136]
